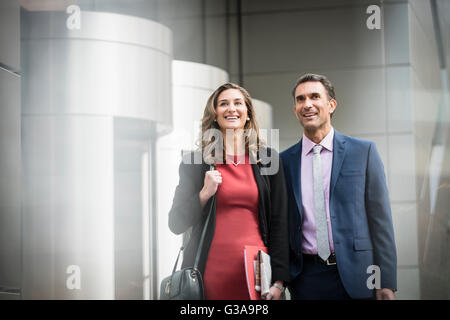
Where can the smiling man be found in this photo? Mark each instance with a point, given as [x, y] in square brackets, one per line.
[340, 224]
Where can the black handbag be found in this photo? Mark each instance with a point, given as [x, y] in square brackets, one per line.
[187, 283]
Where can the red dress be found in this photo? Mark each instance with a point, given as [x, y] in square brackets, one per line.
[236, 227]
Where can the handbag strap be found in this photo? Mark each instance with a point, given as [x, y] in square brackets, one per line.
[205, 227]
[202, 238]
[176, 262]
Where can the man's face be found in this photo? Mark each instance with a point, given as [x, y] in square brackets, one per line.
[312, 107]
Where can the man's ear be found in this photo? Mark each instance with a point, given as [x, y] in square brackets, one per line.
[296, 114]
[333, 104]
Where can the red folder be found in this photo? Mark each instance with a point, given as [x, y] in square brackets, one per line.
[250, 254]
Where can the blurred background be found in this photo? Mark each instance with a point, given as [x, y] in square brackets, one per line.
[99, 99]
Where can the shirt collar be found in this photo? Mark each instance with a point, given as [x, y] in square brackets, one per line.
[327, 142]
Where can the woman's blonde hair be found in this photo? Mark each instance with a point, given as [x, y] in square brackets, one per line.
[208, 140]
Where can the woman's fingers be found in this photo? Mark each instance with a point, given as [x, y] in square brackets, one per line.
[214, 175]
[212, 180]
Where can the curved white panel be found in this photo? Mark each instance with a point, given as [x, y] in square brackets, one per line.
[92, 100]
[101, 26]
[263, 112]
[197, 75]
[114, 65]
[193, 83]
[68, 207]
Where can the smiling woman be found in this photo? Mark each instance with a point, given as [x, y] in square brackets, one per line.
[244, 197]
[231, 110]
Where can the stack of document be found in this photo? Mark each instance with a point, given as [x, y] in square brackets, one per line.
[257, 271]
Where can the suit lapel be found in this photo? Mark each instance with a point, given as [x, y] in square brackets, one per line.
[338, 158]
[295, 165]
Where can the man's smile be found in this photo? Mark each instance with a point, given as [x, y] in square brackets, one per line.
[309, 115]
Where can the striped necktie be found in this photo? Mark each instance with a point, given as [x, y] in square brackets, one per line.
[323, 246]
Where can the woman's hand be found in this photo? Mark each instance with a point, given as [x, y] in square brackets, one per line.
[274, 292]
[212, 181]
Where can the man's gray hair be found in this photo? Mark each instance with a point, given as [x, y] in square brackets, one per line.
[319, 78]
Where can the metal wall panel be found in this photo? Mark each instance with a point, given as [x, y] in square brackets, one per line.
[10, 35]
[114, 65]
[92, 100]
[68, 207]
[10, 186]
[10, 159]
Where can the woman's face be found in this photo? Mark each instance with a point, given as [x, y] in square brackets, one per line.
[231, 110]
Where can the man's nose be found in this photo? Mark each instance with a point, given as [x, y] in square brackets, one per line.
[308, 103]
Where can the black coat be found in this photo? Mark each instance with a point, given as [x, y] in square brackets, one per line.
[187, 212]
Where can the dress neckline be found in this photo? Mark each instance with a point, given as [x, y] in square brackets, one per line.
[236, 160]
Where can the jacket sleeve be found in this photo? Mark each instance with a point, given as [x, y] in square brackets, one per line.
[186, 209]
[278, 233]
[380, 220]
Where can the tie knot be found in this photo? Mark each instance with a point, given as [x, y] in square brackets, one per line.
[317, 149]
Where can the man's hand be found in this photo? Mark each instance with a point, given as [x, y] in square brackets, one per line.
[274, 292]
[384, 294]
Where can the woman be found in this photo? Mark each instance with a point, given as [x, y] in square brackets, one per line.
[250, 207]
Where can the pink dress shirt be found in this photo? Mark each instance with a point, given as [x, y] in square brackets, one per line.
[309, 242]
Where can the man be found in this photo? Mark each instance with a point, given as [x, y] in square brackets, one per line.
[341, 235]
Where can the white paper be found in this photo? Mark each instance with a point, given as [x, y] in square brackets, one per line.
[266, 274]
